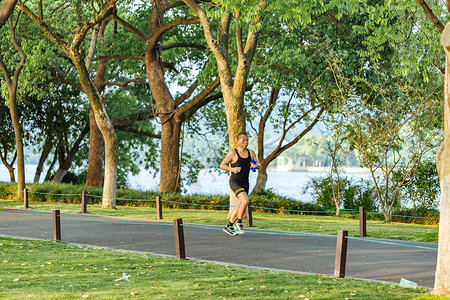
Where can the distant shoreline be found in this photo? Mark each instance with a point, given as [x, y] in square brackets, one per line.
[353, 170]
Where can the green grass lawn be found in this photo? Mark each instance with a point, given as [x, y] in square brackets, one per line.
[319, 224]
[53, 270]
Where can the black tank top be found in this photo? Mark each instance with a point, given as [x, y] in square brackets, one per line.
[244, 163]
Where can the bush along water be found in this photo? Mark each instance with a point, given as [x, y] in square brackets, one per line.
[265, 201]
[361, 193]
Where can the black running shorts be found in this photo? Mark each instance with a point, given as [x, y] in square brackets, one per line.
[239, 187]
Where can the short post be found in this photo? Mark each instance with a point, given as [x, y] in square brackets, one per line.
[158, 208]
[248, 213]
[341, 254]
[179, 238]
[362, 222]
[83, 202]
[25, 198]
[56, 225]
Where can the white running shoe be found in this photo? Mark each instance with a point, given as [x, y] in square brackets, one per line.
[229, 230]
[238, 228]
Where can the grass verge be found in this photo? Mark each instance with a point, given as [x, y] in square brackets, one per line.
[54, 270]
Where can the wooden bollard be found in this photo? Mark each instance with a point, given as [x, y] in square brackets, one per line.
[248, 213]
[83, 202]
[179, 238]
[56, 225]
[25, 198]
[362, 222]
[158, 208]
[341, 254]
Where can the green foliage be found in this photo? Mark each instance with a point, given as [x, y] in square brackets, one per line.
[353, 194]
[422, 188]
[7, 139]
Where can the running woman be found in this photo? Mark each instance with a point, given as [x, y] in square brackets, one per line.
[240, 159]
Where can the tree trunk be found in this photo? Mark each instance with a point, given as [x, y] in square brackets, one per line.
[262, 178]
[166, 108]
[65, 161]
[107, 130]
[9, 166]
[60, 173]
[44, 155]
[50, 167]
[170, 160]
[6, 10]
[19, 145]
[442, 282]
[94, 175]
[338, 210]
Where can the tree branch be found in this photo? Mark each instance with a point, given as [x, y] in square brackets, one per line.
[104, 12]
[183, 45]
[166, 27]
[174, 4]
[138, 115]
[187, 94]
[46, 29]
[196, 102]
[70, 83]
[128, 129]
[125, 83]
[18, 49]
[429, 13]
[130, 27]
[240, 49]
[109, 57]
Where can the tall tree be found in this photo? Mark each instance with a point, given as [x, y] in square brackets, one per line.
[165, 17]
[12, 80]
[429, 24]
[234, 60]
[7, 142]
[442, 284]
[71, 45]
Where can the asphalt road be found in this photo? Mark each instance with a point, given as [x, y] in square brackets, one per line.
[375, 259]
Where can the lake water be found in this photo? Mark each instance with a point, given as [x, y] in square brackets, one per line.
[289, 184]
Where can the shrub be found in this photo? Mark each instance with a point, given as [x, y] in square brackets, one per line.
[353, 194]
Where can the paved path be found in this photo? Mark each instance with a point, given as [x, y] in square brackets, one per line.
[376, 259]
